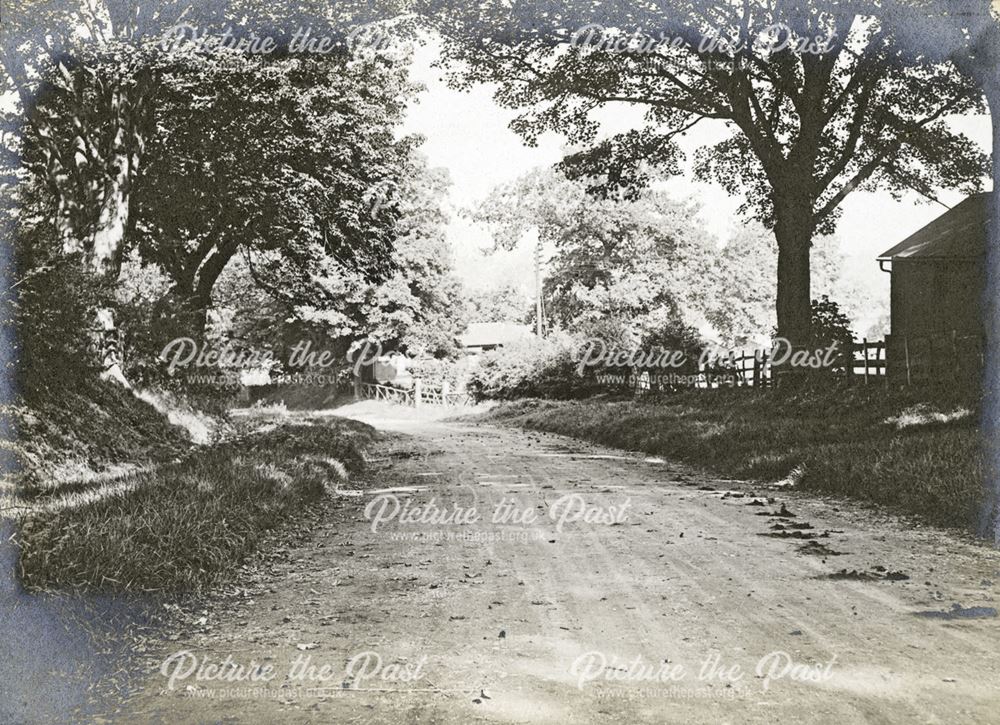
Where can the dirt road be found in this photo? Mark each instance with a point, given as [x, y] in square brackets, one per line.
[663, 596]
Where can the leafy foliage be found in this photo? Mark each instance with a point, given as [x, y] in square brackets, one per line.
[417, 309]
[737, 297]
[534, 367]
[641, 265]
[807, 127]
[196, 154]
[47, 309]
[501, 304]
[286, 169]
[831, 326]
[635, 262]
[273, 159]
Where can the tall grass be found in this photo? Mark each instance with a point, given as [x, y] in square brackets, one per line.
[185, 526]
[840, 441]
[89, 428]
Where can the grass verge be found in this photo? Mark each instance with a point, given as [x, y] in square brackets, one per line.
[889, 447]
[90, 428]
[186, 526]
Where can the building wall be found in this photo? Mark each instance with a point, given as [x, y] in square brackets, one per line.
[936, 320]
[935, 296]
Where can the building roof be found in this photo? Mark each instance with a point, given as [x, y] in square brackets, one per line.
[959, 233]
[485, 334]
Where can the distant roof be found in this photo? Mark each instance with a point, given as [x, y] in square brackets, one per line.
[959, 233]
[482, 334]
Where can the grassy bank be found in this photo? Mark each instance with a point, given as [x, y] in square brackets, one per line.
[90, 428]
[888, 447]
[186, 525]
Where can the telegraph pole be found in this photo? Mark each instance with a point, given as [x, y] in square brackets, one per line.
[538, 288]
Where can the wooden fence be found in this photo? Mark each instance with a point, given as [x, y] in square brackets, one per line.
[952, 357]
[949, 357]
[422, 393]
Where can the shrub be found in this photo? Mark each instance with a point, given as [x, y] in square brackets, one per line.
[674, 335]
[438, 370]
[548, 367]
[830, 325]
[50, 319]
[533, 367]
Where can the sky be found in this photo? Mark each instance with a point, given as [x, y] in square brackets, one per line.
[468, 134]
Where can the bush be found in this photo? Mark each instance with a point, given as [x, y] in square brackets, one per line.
[548, 367]
[438, 370]
[830, 325]
[533, 367]
[50, 319]
[674, 335]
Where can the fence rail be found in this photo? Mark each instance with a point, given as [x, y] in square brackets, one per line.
[945, 357]
[952, 356]
[377, 391]
[421, 393]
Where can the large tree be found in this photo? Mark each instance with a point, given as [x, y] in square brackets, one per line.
[273, 159]
[415, 309]
[85, 74]
[817, 97]
[632, 261]
[92, 65]
[648, 259]
[506, 303]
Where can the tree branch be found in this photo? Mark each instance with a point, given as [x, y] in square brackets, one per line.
[865, 172]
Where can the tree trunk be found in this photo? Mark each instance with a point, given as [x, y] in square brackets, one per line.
[193, 292]
[103, 255]
[103, 247]
[793, 231]
[109, 235]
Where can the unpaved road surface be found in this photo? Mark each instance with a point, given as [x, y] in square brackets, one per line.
[610, 620]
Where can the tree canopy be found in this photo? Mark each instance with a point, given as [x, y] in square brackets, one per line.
[818, 97]
[130, 140]
[648, 261]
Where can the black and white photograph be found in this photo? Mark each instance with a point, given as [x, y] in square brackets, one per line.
[528, 362]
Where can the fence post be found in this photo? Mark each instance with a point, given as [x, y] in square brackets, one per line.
[864, 343]
[444, 392]
[416, 392]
